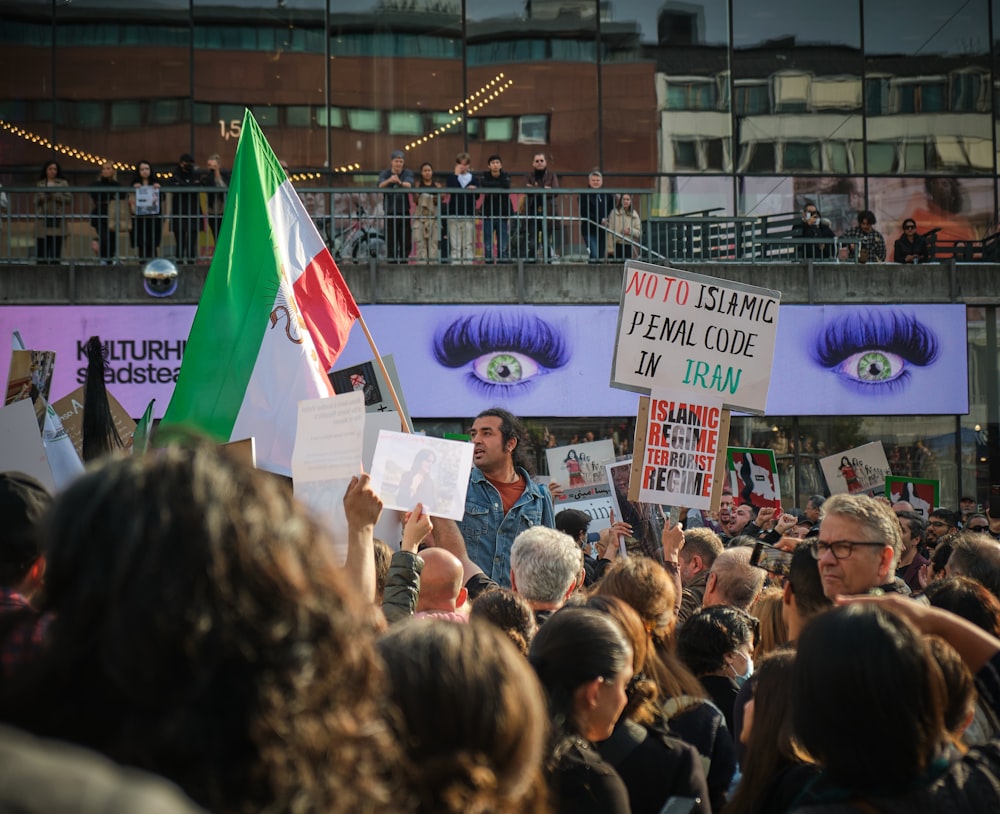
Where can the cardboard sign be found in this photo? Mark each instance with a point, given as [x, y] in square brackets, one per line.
[676, 465]
[861, 470]
[70, 412]
[695, 334]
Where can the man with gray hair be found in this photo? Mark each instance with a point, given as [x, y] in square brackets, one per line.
[858, 546]
[546, 566]
[733, 580]
[702, 547]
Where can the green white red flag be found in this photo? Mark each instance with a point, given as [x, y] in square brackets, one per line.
[274, 315]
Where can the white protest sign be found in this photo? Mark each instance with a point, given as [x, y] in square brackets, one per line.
[681, 446]
[861, 470]
[701, 335]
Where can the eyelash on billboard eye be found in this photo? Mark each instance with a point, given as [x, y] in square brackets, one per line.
[871, 349]
[505, 351]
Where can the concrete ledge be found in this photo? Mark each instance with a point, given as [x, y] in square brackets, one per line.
[562, 284]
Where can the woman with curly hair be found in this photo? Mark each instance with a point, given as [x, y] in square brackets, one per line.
[470, 716]
[201, 631]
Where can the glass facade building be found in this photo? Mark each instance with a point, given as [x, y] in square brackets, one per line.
[743, 107]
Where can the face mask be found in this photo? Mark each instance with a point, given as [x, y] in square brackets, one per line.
[743, 679]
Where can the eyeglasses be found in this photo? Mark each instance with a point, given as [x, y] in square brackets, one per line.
[979, 528]
[909, 226]
[841, 549]
[938, 524]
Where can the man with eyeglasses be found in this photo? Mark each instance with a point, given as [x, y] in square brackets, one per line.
[858, 546]
[910, 246]
[940, 524]
[539, 208]
[978, 523]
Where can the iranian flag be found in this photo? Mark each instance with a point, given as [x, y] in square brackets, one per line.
[274, 315]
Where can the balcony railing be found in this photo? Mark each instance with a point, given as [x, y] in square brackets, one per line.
[101, 225]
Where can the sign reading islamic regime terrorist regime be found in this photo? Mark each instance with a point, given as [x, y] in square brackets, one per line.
[689, 332]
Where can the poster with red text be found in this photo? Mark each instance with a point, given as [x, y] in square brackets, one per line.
[681, 445]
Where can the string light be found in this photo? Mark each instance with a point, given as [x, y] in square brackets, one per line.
[486, 94]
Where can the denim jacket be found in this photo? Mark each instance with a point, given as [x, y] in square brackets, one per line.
[489, 534]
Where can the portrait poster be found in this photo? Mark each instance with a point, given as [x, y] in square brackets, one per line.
[646, 519]
[30, 377]
[921, 493]
[147, 200]
[675, 456]
[689, 332]
[367, 378]
[577, 465]
[858, 471]
[408, 469]
[753, 475]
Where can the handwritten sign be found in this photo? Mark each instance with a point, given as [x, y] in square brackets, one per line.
[680, 449]
[697, 334]
[754, 476]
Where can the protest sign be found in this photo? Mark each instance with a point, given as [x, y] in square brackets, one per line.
[21, 447]
[754, 476]
[367, 378]
[70, 412]
[578, 465]
[861, 470]
[922, 494]
[408, 469]
[594, 501]
[674, 462]
[697, 334]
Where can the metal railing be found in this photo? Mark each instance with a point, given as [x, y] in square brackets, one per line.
[364, 225]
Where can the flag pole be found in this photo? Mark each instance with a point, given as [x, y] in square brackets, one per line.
[385, 374]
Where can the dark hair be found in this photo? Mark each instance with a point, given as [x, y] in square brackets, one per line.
[771, 747]
[976, 556]
[575, 646]
[471, 716]
[816, 500]
[947, 515]
[917, 525]
[707, 636]
[494, 157]
[137, 178]
[886, 664]
[23, 502]
[967, 598]
[511, 428]
[806, 583]
[59, 173]
[866, 215]
[958, 682]
[939, 558]
[572, 522]
[202, 631]
[508, 611]
[642, 691]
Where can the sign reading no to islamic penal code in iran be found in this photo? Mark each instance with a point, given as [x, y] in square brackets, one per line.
[690, 332]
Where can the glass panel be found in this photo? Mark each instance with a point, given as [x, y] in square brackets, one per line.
[405, 123]
[369, 121]
[26, 35]
[298, 116]
[533, 130]
[498, 129]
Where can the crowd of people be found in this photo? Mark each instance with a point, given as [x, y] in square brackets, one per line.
[175, 636]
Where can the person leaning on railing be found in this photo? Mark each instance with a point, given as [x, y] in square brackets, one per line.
[51, 204]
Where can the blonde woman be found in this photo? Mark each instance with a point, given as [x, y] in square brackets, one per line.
[624, 230]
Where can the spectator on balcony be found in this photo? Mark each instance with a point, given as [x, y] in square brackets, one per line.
[217, 181]
[396, 205]
[813, 225]
[624, 230]
[865, 243]
[462, 210]
[910, 247]
[496, 210]
[595, 207]
[426, 200]
[106, 241]
[147, 230]
[540, 207]
[185, 208]
[52, 203]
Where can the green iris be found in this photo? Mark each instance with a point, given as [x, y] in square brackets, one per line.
[874, 367]
[504, 368]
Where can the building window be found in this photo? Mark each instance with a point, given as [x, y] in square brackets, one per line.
[498, 129]
[405, 123]
[126, 115]
[533, 129]
[367, 121]
[298, 116]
